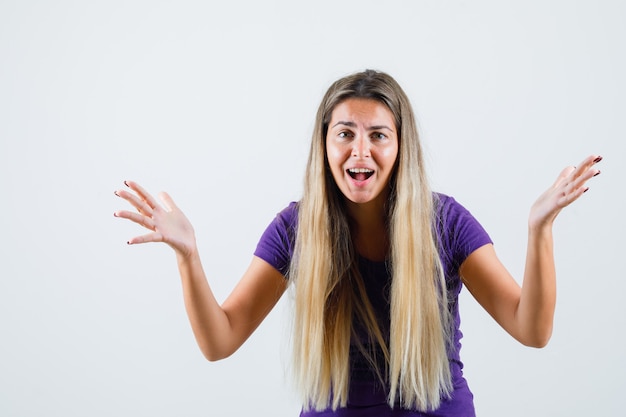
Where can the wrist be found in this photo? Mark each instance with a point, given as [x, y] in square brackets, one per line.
[187, 255]
[540, 222]
[540, 231]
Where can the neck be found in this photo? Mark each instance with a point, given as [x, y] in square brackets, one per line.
[370, 233]
[366, 215]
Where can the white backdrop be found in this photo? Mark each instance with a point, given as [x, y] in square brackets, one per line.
[214, 102]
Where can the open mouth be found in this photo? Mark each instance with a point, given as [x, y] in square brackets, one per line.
[360, 174]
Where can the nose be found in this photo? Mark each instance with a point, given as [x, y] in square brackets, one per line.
[361, 147]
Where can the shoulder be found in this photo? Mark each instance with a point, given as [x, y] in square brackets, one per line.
[449, 211]
[277, 242]
[459, 233]
[289, 215]
[445, 204]
[286, 222]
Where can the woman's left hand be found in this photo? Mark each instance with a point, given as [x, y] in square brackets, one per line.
[567, 188]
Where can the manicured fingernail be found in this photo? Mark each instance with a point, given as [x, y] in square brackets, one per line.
[597, 173]
[128, 242]
[586, 189]
[126, 183]
[115, 192]
[598, 159]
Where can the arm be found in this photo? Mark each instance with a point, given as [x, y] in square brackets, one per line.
[219, 329]
[527, 313]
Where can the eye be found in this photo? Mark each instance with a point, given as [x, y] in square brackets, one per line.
[344, 135]
[379, 136]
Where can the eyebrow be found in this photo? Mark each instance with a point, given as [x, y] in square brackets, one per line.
[352, 124]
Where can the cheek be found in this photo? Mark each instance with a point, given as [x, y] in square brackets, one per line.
[334, 156]
[388, 158]
[393, 155]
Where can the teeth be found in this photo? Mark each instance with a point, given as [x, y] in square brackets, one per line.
[360, 170]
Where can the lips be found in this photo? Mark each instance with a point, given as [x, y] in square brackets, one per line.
[360, 174]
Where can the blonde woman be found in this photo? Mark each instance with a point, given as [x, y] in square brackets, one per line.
[376, 261]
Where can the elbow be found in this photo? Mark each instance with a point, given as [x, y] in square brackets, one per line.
[538, 343]
[211, 357]
[535, 333]
[214, 355]
[537, 340]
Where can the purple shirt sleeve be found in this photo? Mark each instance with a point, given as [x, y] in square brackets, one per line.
[276, 244]
[459, 234]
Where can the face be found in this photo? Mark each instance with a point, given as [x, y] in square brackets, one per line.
[362, 148]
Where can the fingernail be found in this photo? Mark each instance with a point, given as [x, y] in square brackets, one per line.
[586, 189]
[115, 192]
[598, 159]
[597, 173]
[128, 242]
[126, 183]
[114, 214]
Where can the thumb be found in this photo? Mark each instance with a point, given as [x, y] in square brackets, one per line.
[563, 175]
[168, 202]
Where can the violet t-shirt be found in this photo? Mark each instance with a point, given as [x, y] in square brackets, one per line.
[458, 234]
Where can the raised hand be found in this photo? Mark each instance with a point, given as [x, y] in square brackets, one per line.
[165, 221]
[568, 187]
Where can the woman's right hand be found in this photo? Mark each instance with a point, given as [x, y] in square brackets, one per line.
[219, 329]
[166, 222]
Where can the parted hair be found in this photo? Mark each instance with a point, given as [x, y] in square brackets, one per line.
[329, 292]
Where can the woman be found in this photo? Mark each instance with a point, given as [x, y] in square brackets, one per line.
[377, 261]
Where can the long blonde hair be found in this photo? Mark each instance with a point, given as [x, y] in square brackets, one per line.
[329, 292]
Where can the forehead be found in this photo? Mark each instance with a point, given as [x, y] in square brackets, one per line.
[362, 110]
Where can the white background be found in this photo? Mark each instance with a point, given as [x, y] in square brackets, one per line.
[214, 102]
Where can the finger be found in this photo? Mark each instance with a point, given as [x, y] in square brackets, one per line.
[573, 194]
[142, 193]
[135, 201]
[582, 179]
[140, 219]
[585, 171]
[586, 166]
[591, 160]
[574, 177]
[564, 176]
[167, 201]
[574, 190]
[148, 238]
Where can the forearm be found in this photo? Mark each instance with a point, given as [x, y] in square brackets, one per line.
[527, 313]
[535, 312]
[219, 329]
[209, 322]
